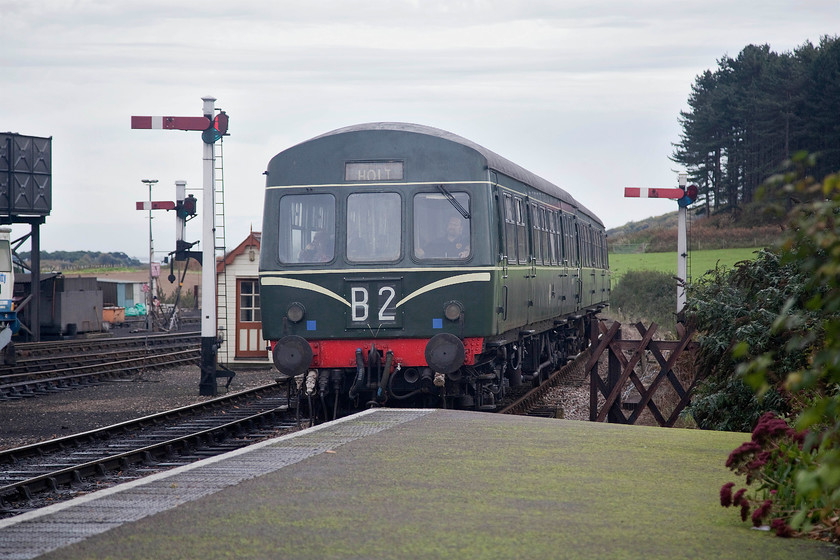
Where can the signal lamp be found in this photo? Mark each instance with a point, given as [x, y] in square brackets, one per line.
[690, 196]
[691, 192]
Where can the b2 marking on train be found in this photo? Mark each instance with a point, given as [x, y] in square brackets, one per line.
[373, 298]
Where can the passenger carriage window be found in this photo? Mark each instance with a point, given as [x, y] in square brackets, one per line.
[605, 258]
[602, 236]
[307, 228]
[545, 237]
[535, 232]
[374, 227]
[510, 229]
[585, 246]
[571, 243]
[596, 247]
[521, 238]
[440, 229]
[561, 251]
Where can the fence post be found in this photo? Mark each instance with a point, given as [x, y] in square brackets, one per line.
[615, 416]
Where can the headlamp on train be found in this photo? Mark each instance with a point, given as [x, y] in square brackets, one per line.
[295, 312]
[453, 310]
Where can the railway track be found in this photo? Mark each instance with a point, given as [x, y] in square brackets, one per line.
[58, 469]
[29, 352]
[43, 473]
[532, 402]
[53, 366]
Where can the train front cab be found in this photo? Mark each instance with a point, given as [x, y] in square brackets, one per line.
[387, 294]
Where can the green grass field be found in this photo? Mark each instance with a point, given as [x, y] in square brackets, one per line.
[700, 261]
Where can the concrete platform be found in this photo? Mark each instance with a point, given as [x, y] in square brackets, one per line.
[423, 484]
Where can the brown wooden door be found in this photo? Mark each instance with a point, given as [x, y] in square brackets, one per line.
[249, 341]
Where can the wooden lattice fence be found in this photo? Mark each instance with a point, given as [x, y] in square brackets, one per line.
[624, 387]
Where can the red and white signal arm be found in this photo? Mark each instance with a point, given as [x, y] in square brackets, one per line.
[155, 205]
[644, 192]
[171, 123]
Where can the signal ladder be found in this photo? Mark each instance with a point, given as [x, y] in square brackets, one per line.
[688, 248]
[220, 250]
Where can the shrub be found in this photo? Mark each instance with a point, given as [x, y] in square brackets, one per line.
[775, 455]
[734, 311]
[645, 294]
[796, 473]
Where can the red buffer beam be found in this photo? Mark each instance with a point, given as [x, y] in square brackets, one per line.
[171, 123]
[644, 192]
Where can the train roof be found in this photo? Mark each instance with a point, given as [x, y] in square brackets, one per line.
[494, 160]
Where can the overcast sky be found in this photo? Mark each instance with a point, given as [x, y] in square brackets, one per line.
[584, 94]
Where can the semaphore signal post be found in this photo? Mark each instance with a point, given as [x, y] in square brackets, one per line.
[684, 195]
[212, 128]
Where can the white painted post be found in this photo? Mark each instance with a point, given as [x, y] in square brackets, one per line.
[180, 224]
[207, 386]
[682, 249]
[150, 299]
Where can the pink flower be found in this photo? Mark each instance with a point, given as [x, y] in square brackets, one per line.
[782, 529]
[743, 449]
[726, 494]
[759, 461]
[761, 512]
[769, 426]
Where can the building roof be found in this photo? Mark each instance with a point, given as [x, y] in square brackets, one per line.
[253, 240]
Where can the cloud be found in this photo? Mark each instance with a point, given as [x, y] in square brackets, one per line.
[585, 94]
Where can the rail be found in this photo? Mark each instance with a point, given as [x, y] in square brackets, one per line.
[533, 398]
[50, 367]
[48, 465]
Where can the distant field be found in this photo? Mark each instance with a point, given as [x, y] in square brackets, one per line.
[699, 261]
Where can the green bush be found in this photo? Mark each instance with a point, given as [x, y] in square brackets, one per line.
[730, 405]
[776, 327]
[645, 295]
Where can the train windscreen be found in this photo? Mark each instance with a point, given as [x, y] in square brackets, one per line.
[374, 227]
[307, 228]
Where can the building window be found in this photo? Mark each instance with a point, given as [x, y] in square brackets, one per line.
[249, 301]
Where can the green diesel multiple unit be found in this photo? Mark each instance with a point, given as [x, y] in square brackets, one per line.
[404, 264]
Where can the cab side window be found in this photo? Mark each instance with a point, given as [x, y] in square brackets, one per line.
[441, 231]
